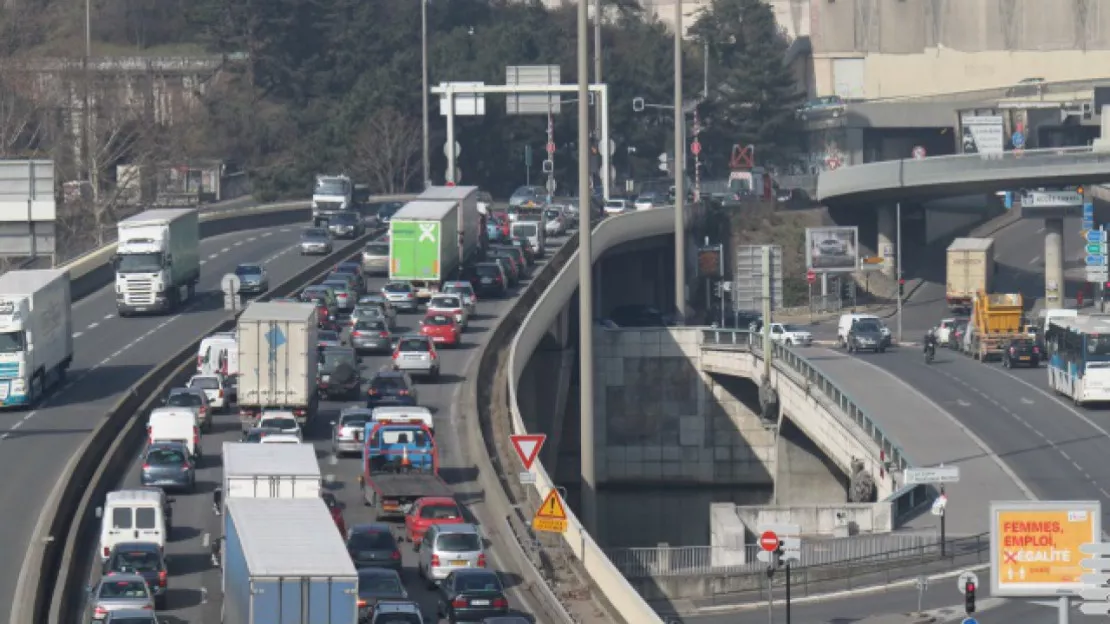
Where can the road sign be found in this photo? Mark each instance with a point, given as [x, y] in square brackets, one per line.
[1095, 593]
[1096, 260]
[811, 276]
[528, 447]
[1089, 210]
[552, 515]
[1094, 608]
[527, 478]
[447, 149]
[769, 541]
[1035, 546]
[695, 147]
[1017, 139]
[966, 577]
[918, 152]
[938, 474]
[550, 148]
[970, 620]
[229, 284]
[1096, 236]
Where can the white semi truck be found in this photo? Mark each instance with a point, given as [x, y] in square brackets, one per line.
[333, 194]
[36, 334]
[157, 260]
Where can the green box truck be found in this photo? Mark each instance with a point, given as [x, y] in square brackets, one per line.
[425, 248]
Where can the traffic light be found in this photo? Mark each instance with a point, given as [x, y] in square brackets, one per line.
[901, 287]
[969, 597]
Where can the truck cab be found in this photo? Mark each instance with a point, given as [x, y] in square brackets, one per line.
[157, 260]
[333, 194]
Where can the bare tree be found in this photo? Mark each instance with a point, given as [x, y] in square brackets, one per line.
[386, 151]
[22, 112]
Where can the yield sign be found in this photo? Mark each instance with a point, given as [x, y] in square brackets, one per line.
[528, 447]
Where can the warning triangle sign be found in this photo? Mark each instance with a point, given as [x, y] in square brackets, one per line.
[552, 507]
[528, 447]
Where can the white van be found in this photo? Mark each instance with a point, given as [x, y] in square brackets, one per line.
[174, 424]
[845, 324]
[399, 413]
[218, 354]
[131, 516]
[533, 231]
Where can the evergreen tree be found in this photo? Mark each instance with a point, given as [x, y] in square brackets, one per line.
[753, 96]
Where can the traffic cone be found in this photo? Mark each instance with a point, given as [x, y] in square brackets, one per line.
[405, 463]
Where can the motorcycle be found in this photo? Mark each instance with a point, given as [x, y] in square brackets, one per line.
[930, 353]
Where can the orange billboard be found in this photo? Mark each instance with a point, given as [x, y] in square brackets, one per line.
[1035, 545]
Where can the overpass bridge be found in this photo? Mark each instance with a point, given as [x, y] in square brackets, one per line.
[848, 431]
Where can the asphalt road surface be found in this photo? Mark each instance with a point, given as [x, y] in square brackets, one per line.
[194, 588]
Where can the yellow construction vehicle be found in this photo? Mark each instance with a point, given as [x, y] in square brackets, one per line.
[996, 319]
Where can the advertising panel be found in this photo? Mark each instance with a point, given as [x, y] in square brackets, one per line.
[1035, 546]
[832, 249]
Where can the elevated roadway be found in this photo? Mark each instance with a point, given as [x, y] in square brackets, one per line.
[194, 589]
[964, 174]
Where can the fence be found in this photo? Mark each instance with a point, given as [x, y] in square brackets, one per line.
[703, 560]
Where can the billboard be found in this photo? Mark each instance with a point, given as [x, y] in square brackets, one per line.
[747, 281]
[710, 261]
[982, 134]
[832, 249]
[1035, 546]
[27, 208]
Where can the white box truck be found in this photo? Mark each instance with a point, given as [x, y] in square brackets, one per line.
[970, 270]
[277, 360]
[36, 334]
[270, 471]
[157, 260]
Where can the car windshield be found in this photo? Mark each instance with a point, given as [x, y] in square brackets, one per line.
[337, 285]
[458, 542]
[397, 287]
[522, 229]
[373, 298]
[370, 540]
[283, 423]
[314, 293]
[184, 399]
[314, 233]
[136, 561]
[437, 320]
[458, 289]
[794, 328]
[369, 312]
[867, 326]
[332, 187]
[205, 383]
[256, 435]
[388, 210]
[478, 582]
[552, 214]
[1021, 344]
[123, 589]
[247, 269]
[446, 302]
[161, 456]
[413, 344]
[388, 383]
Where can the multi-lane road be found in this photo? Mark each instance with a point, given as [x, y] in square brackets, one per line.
[194, 594]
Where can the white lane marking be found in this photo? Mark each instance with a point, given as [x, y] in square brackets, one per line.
[265, 234]
[252, 239]
[1040, 231]
[77, 335]
[237, 243]
[92, 326]
[213, 256]
[963, 403]
[286, 230]
[108, 317]
[225, 250]
[1027, 401]
[203, 262]
[1035, 260]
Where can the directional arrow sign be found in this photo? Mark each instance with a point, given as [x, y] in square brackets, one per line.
[1096, 260]
[1095, 548]
[1096, 248]
[1096, 236]
[1098, 565]
[1088, 210]
[1095, 608]
[1095, 593]
[1094, 579]
[939, 474]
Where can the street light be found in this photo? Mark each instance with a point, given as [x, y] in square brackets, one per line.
[424, 92]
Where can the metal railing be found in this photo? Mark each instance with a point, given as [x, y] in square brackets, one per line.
[706, 560]
[894, 455]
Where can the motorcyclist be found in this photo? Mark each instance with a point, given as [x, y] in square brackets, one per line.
[930, 340]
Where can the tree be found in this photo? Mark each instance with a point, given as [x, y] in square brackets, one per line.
[754, 96]
[22, 114]
[386, 151]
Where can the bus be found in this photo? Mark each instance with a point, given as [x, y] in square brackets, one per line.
[1079, 357]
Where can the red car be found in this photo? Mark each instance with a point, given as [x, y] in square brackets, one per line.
[503, 221]
[441, 328]
[336, 512]
[430, 511]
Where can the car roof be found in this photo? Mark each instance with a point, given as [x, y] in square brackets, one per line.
[372, 527]
[463, 527]
[397, 606]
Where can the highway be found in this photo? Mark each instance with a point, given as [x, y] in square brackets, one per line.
[111, 354]
[194, 588]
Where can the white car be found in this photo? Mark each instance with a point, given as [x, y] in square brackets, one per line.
[280, 438]
[944, 330]
[283, 421]
[616, 207]
[790, 335]
[213, 387]
[449, 305]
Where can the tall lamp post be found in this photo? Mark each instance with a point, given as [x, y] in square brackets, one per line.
[679, 175]
[86, 118]
[427, 163]
[585, 280]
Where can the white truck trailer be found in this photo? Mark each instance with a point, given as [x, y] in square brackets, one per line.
[36, 334]
[270, 471]
[157, 260]
[277, 360]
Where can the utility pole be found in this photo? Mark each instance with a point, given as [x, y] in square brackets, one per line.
[426, 156]
[898, 261]
[697, 158]
[86, 114]
[585, 280]
[597, 68]
[550, 154]
[679, 174]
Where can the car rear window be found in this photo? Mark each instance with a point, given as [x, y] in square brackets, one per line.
[458, 542]
[388, 383]
[184, 399]
[205, 383]
[370, 540]
[440, 512]
[413, 344]
[123, 589]
[397, 288]
[121, 518]
[487, 270]
[478, 582]
[146, 518]
[165, 457]
[438, 320]
[370, 326]
[381, 249]
[137, 561]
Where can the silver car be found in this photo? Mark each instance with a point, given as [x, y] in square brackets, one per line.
[344, 295]
[316, 241]
[119, 592]
[464, 290]
[373, 312]
[371, 335]
[167, 465]
[416, 355]
[375, 258]
[253, 279]
[379, 299]
[449, 547]
[401, 295]
[346, 435]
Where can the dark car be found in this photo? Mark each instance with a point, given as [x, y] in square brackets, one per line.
[866, 335]
[371, 336]
[168, 465]
[490, 279]
[956, 334]
[144, 559]
[508, 265]
[378, 584]
[518, 257]
[1022, 352]
[396, 612]
[354, 269]
[339, 373]
[472, 594]
[390, 387]
[254, 435]
[346, 224]
[636, 315]
[525, 245]
[373, 546]
[387, 210]
[507, 619]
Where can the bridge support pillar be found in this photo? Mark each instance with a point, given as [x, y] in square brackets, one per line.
[1053, 264]
[888, 233]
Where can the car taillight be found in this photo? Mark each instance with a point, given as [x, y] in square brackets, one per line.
[402, 392]
[356, 334]
[203, 410]
[432, 354]
[361, 603]
[299, 412]
[1037, 350]
[1012, 350]
[107, 551]
[162, 578]
[395, 354]
[396, 555]
[459, 603]
[102, 612]
[372, 391]
[482, 560]
[146, 466]
[196, 435]
[434, 564]
[500, 603]
[383, 334]
[220, 394]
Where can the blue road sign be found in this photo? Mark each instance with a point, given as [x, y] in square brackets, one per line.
[1096, 236]
[1096, 260]
[1018, 139]
[1089, 210]
[970, 620]
[275, 338]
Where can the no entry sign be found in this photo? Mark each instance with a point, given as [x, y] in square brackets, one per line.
[769, 541]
